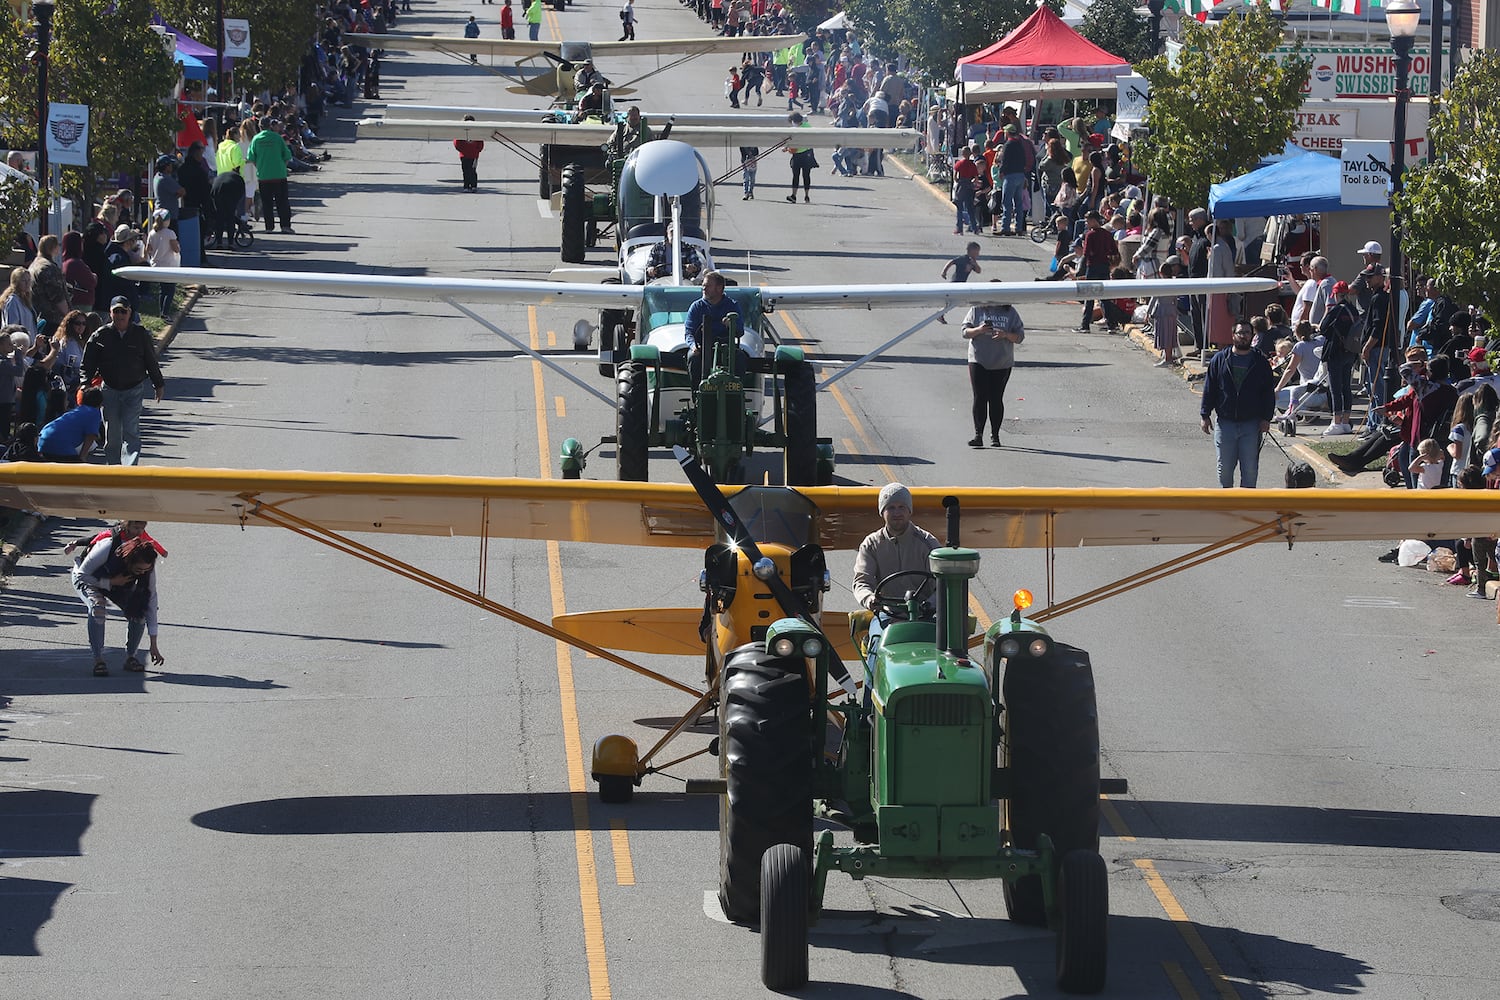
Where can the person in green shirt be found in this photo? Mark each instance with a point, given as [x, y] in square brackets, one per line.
[270, 155]
[534, 19]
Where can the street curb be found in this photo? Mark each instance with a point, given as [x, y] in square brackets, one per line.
[18, 538]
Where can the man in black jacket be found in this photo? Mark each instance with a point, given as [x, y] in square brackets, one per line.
[1198, 255]
[122, 354]
[1241, 390]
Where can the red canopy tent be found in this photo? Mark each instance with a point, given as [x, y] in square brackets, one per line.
[1041, 57]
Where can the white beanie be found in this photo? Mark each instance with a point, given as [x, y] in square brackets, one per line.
[893, 493]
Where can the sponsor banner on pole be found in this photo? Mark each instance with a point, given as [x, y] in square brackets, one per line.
[1133, 91]
[1366, 177]
[236, 37]
[68, 134]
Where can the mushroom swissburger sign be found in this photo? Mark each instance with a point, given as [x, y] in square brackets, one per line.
[1358, 71]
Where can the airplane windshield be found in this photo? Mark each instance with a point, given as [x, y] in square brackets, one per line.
[776, 515]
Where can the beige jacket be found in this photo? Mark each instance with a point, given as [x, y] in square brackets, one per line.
[882, 554]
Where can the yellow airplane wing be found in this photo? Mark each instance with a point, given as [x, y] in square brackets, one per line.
[666, 514]
[673, 631]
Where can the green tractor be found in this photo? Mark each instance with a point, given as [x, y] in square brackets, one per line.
[716, 414]
[943, 767]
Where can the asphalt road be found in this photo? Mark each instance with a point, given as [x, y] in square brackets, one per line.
[342, 785]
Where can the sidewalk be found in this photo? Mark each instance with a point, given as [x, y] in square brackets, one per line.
[21, 525]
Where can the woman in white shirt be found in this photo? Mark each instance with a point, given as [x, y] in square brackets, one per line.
[15, 302]
[163, 250]
[248, 128]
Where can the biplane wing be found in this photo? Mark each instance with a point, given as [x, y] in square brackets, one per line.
[765, 136]
[453, 113]
[519, 291]
[670, 515]
[524, 49]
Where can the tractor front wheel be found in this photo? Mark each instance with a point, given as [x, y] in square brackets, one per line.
[1082, 938]
[544, 172]
[574, 214]
[632, 436]
[783, 917]
[800, 455]
[766, 760]
[1051, 750]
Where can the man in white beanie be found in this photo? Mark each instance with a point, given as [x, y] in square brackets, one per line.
[895, 548]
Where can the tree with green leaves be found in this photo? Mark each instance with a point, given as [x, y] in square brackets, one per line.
[1446, 226]
[280, 33]
[18, 206]
[1116, 26]
[1227, 103]
[935, 34]
[104, 55]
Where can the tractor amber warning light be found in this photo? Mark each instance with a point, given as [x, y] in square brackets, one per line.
[1022, 600]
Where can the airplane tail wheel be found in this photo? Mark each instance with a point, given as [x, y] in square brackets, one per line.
[767, 763]
[1082, 938]
[631, 431]
[615, 788]
[800, 457]
[1051, 748]
[574, 207]
[783, 917]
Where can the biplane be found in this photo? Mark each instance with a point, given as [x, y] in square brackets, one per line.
[566, 57]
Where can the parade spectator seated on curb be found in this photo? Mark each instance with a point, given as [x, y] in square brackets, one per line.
[1305, 374]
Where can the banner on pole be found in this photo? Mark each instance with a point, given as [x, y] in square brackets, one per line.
[1133, 91]
[68, 134]
[1366, 177]
[236, 37]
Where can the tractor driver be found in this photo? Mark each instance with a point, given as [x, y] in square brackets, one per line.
[659, 264]
[897, 547]
[591, 104]
[588, 76]
[708, 321]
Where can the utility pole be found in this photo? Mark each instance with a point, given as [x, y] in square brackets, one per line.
[43, 11]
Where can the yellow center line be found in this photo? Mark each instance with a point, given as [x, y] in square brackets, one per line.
[561, 406]
[583, 838]
[551, 338]
[619, 839]
[1179, 981]
[1173, 909]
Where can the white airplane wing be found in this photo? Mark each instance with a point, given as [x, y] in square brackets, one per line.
[533, 132]
[702, 136]
[510, 291]
[528, 49]
[519, 291]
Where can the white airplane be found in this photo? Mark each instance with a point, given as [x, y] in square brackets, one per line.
[447, 112]
[642, 336]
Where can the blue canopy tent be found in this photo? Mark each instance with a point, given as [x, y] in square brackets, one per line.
[193, 68]
[1297, 185]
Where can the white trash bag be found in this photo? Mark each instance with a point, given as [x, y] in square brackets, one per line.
[1412, 552]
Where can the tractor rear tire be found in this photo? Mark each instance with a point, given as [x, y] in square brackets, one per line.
[544, 172]
[766, 760]
[575, 206]
[615, 788]
[632, 437]
[1083, 936]
[1051, 749]
[800, 457]
[783, 918]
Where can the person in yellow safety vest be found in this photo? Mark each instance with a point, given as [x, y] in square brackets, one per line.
[230, 156]
[534, 19]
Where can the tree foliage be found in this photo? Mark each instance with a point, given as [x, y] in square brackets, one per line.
[1446, 229]
[1227, 104]
[104, 55]
[280, 32]
[935, 34]
[1117, 27]
[18, 205]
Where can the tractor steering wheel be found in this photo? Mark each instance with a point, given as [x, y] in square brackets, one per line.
[898, 606]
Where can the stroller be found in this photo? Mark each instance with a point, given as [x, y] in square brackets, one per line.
[240, 233]
[1314, 398]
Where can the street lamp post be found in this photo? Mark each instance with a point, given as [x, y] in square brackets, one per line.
[1155, 7]
[42, 10]
[1403, 18]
